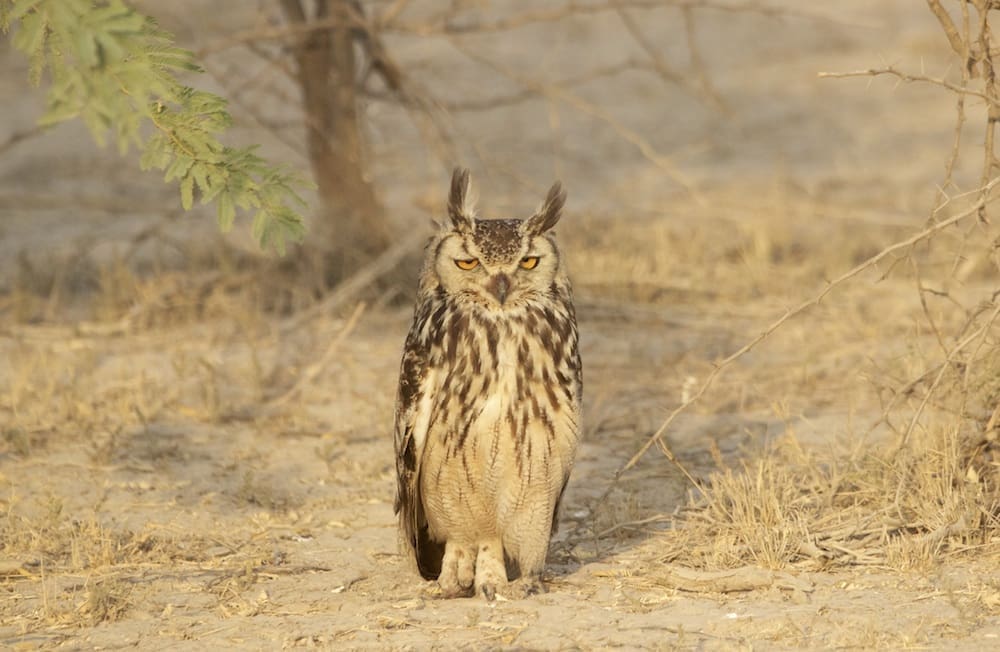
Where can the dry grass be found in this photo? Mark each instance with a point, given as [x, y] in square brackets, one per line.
[937, 499]
[98, 391]
[104, 386]
[907, 352]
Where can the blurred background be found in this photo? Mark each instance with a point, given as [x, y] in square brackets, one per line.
[641, 108]
[780, 371]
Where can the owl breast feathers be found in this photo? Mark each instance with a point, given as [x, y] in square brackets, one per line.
[488, 409]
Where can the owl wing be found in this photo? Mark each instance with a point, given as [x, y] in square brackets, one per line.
[573, 367]
[413, 406]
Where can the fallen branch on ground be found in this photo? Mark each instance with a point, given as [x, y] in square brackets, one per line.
[745, 578]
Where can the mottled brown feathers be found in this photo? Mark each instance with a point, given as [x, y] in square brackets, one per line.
[488, 409]
[498, 239]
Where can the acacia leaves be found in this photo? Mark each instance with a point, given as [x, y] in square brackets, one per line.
[116, 70]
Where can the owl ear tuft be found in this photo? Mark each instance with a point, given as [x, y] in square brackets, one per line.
[461, 201]
[548, 213]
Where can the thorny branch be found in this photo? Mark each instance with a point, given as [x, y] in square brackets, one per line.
[909, 77]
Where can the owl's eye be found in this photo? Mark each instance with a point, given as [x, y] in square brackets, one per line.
[529, 262]
[471, 263]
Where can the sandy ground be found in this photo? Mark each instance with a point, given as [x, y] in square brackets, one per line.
[155, 495]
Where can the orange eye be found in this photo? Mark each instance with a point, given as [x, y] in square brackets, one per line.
[471, 263]
[529, 262]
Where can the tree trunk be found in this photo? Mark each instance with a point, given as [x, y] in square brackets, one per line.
[352, 225]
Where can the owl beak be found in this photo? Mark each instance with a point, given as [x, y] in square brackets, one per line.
[498, 287]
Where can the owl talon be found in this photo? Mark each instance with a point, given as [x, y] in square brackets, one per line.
[453, 591]
[525, 587]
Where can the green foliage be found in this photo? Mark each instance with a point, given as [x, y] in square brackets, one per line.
[116, 70]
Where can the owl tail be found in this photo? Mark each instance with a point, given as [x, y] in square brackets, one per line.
[429, 554]
[415, 538]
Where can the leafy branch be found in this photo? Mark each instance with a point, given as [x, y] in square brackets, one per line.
[113, 68]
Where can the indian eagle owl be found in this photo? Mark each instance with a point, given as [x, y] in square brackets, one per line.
[488, 409]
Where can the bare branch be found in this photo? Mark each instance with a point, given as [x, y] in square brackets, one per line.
[310, 372]
[294, 11]
[697, 63]
[24, 134]
[907, 77]
[959, 110]
[298, 27]
[487, 103]
[349, 289]
[591, 109]
[985, 42]
[954, 38]
[660, 65]
[446, 24]
[387, 17]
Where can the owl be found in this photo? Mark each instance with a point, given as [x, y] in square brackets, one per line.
[488, 409]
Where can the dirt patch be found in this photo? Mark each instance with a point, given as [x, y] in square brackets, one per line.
[174, 508]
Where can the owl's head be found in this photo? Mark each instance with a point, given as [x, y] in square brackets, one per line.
[496, 264]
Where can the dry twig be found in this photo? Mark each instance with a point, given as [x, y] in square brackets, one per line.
[909, 77]
[351, 287]
[745, 578]
[313, 370]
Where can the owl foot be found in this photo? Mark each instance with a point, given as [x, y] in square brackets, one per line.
[524, 587]
[491, 573]
[489, 591]
[517, 590]
[448, 592]
[458, 570]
